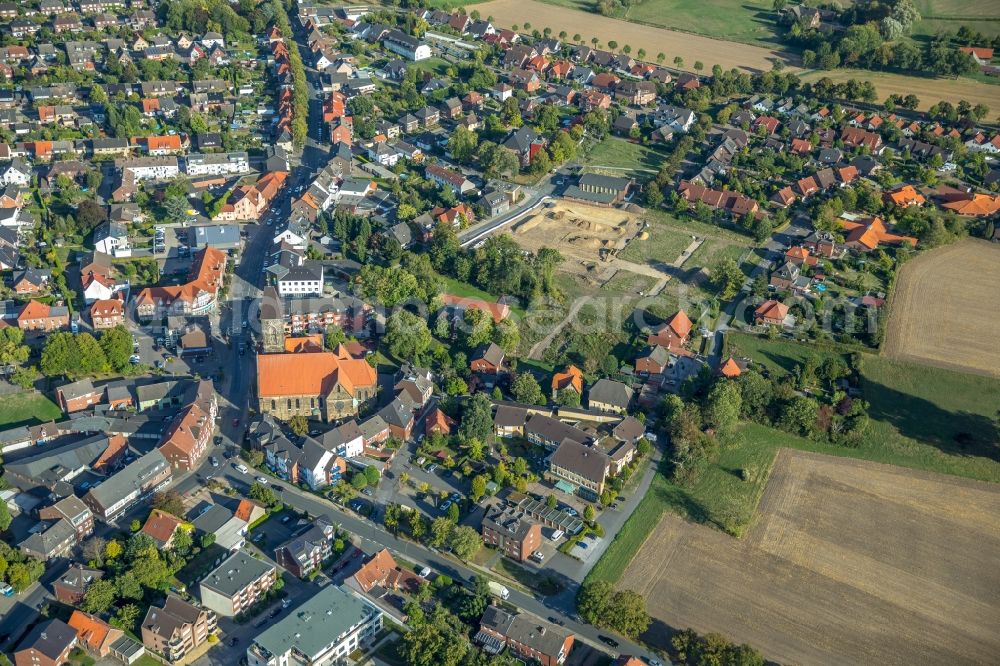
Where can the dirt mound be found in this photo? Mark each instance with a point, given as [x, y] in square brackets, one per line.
[586, 241]
[643, 236]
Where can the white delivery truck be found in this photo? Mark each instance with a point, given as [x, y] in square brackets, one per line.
[499, 590]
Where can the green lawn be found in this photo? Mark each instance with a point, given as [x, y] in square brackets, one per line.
[664, 245]
[625, 157]
[922, 418]
[435, 65]
[733, 20]
[28, 408]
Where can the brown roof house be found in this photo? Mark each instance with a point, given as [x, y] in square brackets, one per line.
[529, 637]
[176, 629]
[488, 358]
[381, 574]
[652, 361]
[771, 313]
[161, 527]
[70, 587]
[48, 644]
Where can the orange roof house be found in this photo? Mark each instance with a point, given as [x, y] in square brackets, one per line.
[150, 105]
[96, 635]
[499, 311]
[978, 205]
[249, 511]
[161, 528]
[866, 234]
[247, 202]
[981, 54]
[571, 377]
[800, 256]
[672, 335]
[771, 313]
[382, 571]
[308, 343]
[313, 384]
[160, 145]
[438, 422]
[904, 197]
[730, 369]
[196, 296]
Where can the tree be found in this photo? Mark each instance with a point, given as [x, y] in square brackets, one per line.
[5, 517]
[117, 346]
[169, 501]
[359, 481]
[128, 586]
[255, 457]
[207, 539]
[568, 397]
[593, 600]
[465, 542]
[627, 613]
[126, 617]
[13, 351]
[372, 476]
[263, 494]
[183, 540]
[723, 405]
[441, 529]
[99, 596]
[477, 418]
[551, 501]
[589, 513]
[60, 355]
[334, 336]
[478, 489]
[727, 278]
[526, 389]
[408, 335]
[463, 143]
[91, 359]
[299, 425]
[113, 549]
[799, 415]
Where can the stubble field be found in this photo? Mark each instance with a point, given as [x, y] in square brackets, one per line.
[944, 309]
[849, 562]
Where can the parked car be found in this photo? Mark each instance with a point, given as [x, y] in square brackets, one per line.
[432, 467]
[261, 480]
[6, 590]
[445, 506]
[241, 468]
[607, 640]
[558, 534]
[213, 461]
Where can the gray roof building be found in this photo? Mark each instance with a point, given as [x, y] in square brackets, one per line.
[325, 619]
[219, 236]
[610, 392]
[237, 572]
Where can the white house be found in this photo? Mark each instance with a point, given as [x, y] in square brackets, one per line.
[99, 288]
[314, 464]
[212, 39]
[150, 168]
[409, 47]
[303, 280]
[208, 164]
[15, 172]
[112, 238]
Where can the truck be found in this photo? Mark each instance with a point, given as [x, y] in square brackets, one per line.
[499, 590]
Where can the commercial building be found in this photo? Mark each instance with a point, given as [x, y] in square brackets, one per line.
[216, 164]
[123, 490]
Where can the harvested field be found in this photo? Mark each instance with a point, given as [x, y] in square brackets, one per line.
[691, 48]
[944, 309]
[850, 562]
[929, 91]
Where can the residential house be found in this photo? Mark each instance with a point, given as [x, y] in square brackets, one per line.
[511, 532]
[49, 540]
[529, 638]
[107, 313]
[75, 512]
[93, 634]
[39, 317]
[325, 629]
[161, 527]
[177, 628]
[570, 379]
[124, 489]
[771, 313]
[71, 586]
[306, 552]
[607, 395]
[488, 359]
[237, 584]
[49, 643]
[186, 438]
[865, 234]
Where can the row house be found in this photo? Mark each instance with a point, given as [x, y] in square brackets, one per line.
[135, 482]
[197, 296]
[186, 438]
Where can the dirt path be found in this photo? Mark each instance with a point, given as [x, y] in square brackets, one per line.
[539, 347]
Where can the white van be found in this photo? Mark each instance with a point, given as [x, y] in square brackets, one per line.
[558, 534]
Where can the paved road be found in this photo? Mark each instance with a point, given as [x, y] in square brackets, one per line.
[374, 537]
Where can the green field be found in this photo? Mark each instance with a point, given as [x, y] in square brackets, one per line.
[731, 20]
[922, 418]
[624, 157]
[950, 15]
[27, 408]
[664, 245]
[434, 65]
